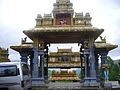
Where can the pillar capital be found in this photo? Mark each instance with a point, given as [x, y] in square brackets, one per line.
[24, 56]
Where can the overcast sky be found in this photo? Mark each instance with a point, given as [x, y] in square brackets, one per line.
[19, 15]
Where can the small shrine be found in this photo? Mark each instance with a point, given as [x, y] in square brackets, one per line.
[64, 75]
[64, 58]
[4, 55]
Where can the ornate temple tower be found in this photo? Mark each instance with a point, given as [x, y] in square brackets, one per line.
[63, 12]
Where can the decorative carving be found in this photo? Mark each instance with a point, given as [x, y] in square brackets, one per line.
[63, 22]
[103, 39]
[82, 20]
[24, 40]
[48, 16]
[87, 19]
[78, 15]
[4, 55]
[39, 16]
[63, 6]
[39, 20]
[47, 20]
[87, 15]
[86, 44]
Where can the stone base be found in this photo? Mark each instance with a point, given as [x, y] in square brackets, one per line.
[92, 82]
[39, 84]
[37, 81]
[112, 84]
[42, 87]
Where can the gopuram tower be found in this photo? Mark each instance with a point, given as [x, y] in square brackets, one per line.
[64, 26]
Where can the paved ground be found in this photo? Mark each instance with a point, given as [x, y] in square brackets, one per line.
[64, 86]
[71, 86]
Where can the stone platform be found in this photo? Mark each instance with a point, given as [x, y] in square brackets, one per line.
[70, 86]
[63, 86]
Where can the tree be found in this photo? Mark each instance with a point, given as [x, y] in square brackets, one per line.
[114, 70]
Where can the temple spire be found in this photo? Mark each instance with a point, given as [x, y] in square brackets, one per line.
[63, 6]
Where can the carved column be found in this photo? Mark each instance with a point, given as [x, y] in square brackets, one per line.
[41, 54]
[31, 61]
[104, 57]
[46, 62]
[90, 72]
[24, 56]
[104, 64]
[35, 63]
[92, 63]
[86, 55]
[81, 59]
[38, 63]
[35, 70]
[41, 60]
[97, 63]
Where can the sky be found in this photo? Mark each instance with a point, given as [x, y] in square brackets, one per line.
[19, 15]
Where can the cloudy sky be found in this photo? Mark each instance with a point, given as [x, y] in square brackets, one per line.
[19, 15]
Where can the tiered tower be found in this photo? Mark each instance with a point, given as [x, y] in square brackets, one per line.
[64, 60]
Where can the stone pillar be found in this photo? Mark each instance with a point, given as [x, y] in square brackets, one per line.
[38, 73]
[46, 64]
[24, 56]
[104, 57]
[92, 63]
[81, 59]
[31, 61]
[97, 64]
[35, 64]
[90, 79]
[86, 55]
[104, 65]
[41, 54]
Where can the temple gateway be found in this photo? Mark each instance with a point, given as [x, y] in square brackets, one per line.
[65, 26]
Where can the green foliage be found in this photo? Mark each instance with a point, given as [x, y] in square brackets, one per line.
[114, 70]
[110, 61]
[82, 74]
[114, 73]
[101, 72]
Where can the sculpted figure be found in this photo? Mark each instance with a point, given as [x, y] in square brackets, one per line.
[24, 40]
[103, 39]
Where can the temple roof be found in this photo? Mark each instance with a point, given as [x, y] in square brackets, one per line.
[98, 45]
[63, 27]
[104, 45]
[68, 34]
[22, 47]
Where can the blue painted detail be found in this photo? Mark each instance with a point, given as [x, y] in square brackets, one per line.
[87, 62]
[104, 61]
[92, 63]
[24, 57]
[35, 64]
[41, 54]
